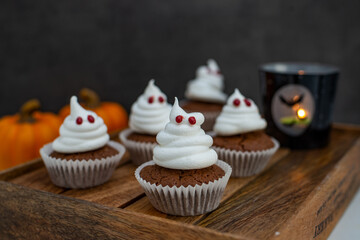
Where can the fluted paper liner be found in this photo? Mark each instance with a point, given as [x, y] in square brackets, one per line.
[185, 201]
[140, 152]
[81, 173]
[245, 164]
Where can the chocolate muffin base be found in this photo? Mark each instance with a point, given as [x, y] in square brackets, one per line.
[197, 106]
[139, 137]
[172, 177]
[100, 153]
[253, 141]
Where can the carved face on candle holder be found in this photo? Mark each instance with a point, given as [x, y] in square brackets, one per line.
[293, 109]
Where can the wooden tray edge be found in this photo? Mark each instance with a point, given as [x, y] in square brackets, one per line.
[337, 197]
[55, 216]
[21, 169]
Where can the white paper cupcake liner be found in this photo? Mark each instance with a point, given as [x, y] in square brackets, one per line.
[81, 173]
[185, 201]
[245, 164]
[140, 152]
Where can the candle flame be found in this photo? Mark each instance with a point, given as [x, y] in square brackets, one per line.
[301, 113]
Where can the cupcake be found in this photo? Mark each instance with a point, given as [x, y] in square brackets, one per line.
[82, 156]
[148, 116]
[204, 93]
[185, 177]
[239, 137]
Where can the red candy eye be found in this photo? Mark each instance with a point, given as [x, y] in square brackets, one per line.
[218, 72]
[179, 118]
[192, 120]
[247, 102]
[91, 119]
[151, 99]
[236, 102]
[79, 120]
[161, 99]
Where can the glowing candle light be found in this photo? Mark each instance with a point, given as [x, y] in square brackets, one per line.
[301, 113]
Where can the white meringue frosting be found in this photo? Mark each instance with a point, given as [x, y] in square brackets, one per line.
[236, 119]
[81, 131]
[150, 112]
[183, 144]
[208, 84]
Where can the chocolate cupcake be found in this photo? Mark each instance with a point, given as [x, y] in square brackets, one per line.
[185, 177]
[204, 93]
[82, 156]
[148, 116]
[239, 137]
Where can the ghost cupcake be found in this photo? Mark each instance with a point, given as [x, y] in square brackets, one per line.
[239, 137]
[185, 177]
[205, 93]
[148, 116]
[82, 156]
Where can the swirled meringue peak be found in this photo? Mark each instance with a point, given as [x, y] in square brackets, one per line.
[183, 144]
[150, 112]
[81, 131]
[208, 84]
[239, 115]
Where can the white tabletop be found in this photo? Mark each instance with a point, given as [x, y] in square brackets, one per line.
[348, 228]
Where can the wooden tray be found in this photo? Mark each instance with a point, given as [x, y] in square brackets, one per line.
[301, 195]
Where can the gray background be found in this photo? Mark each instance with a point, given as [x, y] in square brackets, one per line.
[51, 49]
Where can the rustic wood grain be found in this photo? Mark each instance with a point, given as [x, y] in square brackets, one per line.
[144, 206]
[38, 179]
[118, 191]
[301, 195]
[262, 207]
[346, 126]
[20, 170]
[32, 214]
[327, 202]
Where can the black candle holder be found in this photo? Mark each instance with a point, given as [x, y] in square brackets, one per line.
[298, 101]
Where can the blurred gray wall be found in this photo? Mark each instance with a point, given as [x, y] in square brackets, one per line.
[50, 49]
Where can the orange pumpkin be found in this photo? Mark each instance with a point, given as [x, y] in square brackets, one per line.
[22, 135]
[113, 114]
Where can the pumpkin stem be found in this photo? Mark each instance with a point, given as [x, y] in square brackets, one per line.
[27, 110]
[90, 98]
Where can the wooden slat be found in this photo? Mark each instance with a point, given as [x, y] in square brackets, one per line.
[119, 190]
[144, 206]
[33, 214]
[327, 202]
[20, 170]
[262, 207]
[346, 126]
[279, 203]
[38, 179]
